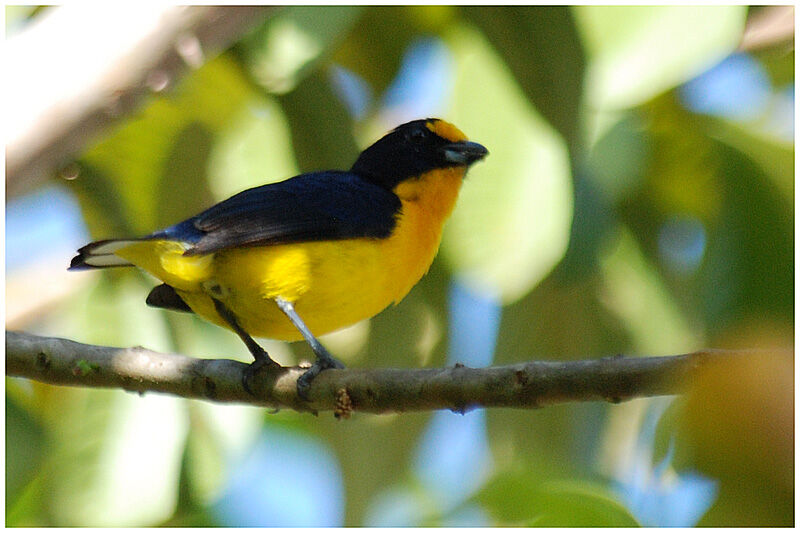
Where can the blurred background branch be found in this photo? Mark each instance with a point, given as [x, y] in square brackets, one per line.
[65, 96]
[773, 26]
[525, 385]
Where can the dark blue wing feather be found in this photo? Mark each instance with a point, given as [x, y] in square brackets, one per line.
[309, 207]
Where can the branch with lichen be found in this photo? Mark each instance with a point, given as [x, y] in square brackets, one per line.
[459, 388]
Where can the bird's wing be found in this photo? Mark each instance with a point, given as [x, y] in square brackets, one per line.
[310, 207]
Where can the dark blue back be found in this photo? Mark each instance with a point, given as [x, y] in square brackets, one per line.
[311, 207]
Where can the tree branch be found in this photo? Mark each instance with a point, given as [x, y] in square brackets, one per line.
[525, 385]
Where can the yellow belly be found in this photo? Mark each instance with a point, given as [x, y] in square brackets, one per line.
[332, 284]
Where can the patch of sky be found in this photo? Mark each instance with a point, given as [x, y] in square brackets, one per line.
[737, 88]
[286, 480]
[657, 495]
[45, 222]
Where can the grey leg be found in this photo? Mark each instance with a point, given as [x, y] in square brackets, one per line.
[260, 355]
[324, 359]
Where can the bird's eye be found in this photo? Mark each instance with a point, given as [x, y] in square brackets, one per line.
[418, 135]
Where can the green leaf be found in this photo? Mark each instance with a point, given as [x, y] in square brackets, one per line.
[518, 497]
[321, 127]
[253, 148]
[637, 52]
[580, 504]
[25, 444]
[375, 47]
[511, 224]
[120, 457]
[183, 189]
[751, 249]
[290, 45]
[744, 212]
[542, 48]
[174, 133]
[219, 434]
[634, 290]
[774, 156]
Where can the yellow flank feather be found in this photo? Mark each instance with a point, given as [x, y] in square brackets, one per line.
[165, 260]
[332, 284]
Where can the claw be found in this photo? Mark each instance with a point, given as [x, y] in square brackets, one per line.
[251, 371]
[304, 381]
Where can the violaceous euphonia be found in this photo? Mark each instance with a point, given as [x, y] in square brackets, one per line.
[311, 254]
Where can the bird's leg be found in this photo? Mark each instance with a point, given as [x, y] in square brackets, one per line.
[324, 359]
[262, 358]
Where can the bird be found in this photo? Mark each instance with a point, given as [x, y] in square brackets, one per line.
[317, 252]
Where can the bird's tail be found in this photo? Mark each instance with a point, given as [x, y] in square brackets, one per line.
[101, 254]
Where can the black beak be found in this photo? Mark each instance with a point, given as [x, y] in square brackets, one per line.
[464, 153]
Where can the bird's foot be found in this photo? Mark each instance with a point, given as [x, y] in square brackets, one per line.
[304, 381]
[253, 368]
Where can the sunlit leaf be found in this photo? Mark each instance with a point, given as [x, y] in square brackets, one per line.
[637, 52]
[774, 156]
[129, 475]
[581, 504]
[253, 148]
[519, 498]
[542, 48]
[136, 157]
[289, 45]
[512, 220]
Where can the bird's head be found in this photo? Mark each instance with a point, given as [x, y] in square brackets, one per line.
[414, 148]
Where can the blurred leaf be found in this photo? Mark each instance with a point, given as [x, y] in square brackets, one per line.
[17, 17]
[291, 44]
[556, 321]
[634, 291]
[375, 47]
[218, 435]
[637, 52]
[512, 220]
[322, 130]
[779, 63]
[541, 46]
[617, 160]
[24, 456]
[680, 174]
[741, 261]
[517, 497]
[592, 222]
[254, 148]
[395, 339]
[774, 156]
[581, 504]
[751, 249]
[510, 496]
[183, 189]
[115, 456]
[137, 156]
[101, 204]
[129, 474]
[613, 170]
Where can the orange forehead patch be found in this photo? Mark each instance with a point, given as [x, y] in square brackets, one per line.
[445, 130]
